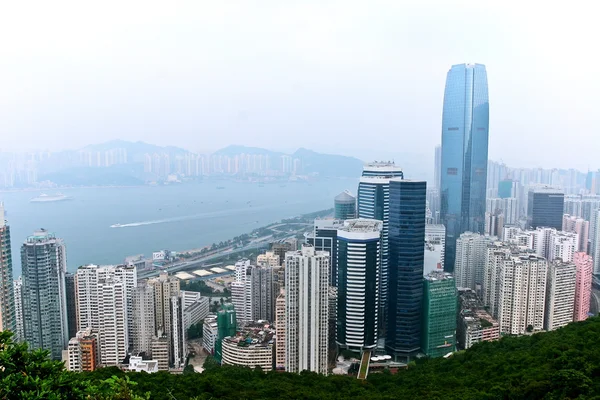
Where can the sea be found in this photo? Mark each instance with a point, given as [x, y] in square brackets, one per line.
[175, 217]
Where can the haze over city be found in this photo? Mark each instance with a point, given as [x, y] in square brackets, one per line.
[281, 75]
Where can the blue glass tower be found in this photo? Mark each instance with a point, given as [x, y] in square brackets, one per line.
[406, 258]
[465, 123]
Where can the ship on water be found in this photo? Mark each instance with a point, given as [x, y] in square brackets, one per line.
[46, 198]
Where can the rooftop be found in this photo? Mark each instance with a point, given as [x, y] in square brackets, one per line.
[362, 225]
[546, 189]
[345, 196]
[438, 276]
[254, 334]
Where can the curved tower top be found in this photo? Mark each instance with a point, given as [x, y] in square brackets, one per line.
[465, 133]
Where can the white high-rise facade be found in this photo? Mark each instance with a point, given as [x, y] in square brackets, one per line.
[241, 292]
[469, 264]
[307, 311]
[560, 294]
[144, 328]
[545, 242]
[18, 292]
[595, 240]
[579, 226]
[112, 321]
[515, 288]
[508, 206]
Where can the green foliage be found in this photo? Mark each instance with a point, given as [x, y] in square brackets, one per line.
[195, 331]
[564, 364]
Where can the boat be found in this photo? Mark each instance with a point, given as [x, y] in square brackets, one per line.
[116, 226]
[45, 198]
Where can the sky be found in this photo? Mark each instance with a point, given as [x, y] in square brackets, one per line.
[361, 78]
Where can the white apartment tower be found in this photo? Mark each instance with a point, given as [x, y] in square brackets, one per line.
[280, 321]
[112, 321]
[515, 288]
[144, 327]
[18, 286]
[560, 294]
[165, 287]
[307, 311]
[469, 264]
[241, 292]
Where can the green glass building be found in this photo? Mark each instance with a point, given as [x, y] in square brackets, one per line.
[344, 206]
[226, 326]
[438, 331]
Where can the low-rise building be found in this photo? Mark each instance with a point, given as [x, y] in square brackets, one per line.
[474, 324]
[83, 351]
[252, 347]
[137, 364]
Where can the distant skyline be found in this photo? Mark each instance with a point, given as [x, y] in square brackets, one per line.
[281, 75]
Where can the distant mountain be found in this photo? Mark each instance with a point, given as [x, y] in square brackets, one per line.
[328, 164]
[312, 162]
[234, 149]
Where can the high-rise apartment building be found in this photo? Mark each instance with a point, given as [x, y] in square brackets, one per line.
[263, 293]
[508, 206]
[515, 288]
[560, 294]
[438, 331]
[465, 131]
[358, 258]
[579, 226]
[241, 291]
[280, 321]
[344, 206]
[18, 296]
[494, 223]
[406, 258]
[165, 287]
[307, 312]
[83, 351]
[144, 328]
[471, 249]
[112, 320]
[374, 203]
[583, 285]
[545, 207]
[178, 346]
[7, 301]
[43, 262]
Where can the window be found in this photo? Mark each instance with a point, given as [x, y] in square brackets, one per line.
[453, 129]
[452, 171]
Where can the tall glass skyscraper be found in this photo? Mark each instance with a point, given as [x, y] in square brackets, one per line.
[406, 258]
[465, 131]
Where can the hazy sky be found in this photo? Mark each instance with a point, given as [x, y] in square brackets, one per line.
[363, 78]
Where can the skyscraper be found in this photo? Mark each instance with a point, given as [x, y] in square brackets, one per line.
[465, 130]
[18, 287]
[263, 293]
[406, 258]
[359, 251]
[144, 327]
[165, 287]
[7, 301]
[344, 206]
[44, 264]
[560, 294]
[471, 249]
[545, 207]
[324, 238]
[307, 310]
[71, 304]
[583, 285]
[374, 203]
[438, 330]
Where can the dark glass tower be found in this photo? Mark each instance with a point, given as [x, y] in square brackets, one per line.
[465, 123]
[545, 207]
[406, 257]
[358, 258]
[324, 238]
[344, 206]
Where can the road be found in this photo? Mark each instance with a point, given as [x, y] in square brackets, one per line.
[595, 302]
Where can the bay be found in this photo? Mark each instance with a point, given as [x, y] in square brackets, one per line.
[174, 217]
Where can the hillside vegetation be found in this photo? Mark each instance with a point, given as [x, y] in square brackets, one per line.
[563, 364]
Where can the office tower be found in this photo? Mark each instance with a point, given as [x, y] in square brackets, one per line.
[465, 130]
[263, 293]
[494, 223]
[344, 206]
[178, 346]
[165, 287]
[112, 320]
[83, 351]
[269, 258]
[358, 258]
[435, 236]
[7, 301]
[583, 285]
[407, 236]
[579, 226]
[437, 170]
[374, 203]
[71, 304]
[515, 288]
[560, 294]
[18, 296]
[43, 260]
[144, 327]
[545, 208]
[324, 238]
[280, 321]
[507, 188]
[508, 206]
[307, 312]
[241, 291]
[471, 249]
[438, 331]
